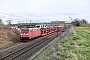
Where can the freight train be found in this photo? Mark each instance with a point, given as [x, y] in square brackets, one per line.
[39, 30]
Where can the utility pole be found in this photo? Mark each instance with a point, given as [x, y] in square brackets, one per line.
[9, 22]
[43, 22]
[57, 28]
[38, 21]
[30, 23]
[71, 20]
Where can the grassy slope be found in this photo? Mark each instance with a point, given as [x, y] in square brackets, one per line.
[72, 47]
[84, 43]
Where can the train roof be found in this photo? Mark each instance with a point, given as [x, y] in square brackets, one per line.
[29, 28]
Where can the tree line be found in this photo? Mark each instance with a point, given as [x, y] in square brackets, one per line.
[77, 22]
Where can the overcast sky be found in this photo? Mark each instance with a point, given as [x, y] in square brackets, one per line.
[44, 10]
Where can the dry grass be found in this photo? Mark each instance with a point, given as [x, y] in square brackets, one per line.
[87, 28]
[8, 35]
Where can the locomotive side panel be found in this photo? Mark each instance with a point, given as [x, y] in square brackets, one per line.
[28, 33]
[36, 32]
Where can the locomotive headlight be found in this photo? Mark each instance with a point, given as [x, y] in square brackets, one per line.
[21, 34]
[27, 34]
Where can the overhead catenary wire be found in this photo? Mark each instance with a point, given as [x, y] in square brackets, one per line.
[11, 17]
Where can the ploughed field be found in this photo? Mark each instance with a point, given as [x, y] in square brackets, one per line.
[73, 47]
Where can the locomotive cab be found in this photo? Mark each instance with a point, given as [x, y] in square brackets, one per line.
[24, 34]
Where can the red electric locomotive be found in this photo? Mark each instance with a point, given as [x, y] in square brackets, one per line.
[28, 33]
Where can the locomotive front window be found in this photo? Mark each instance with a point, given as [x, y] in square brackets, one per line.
[24, 30]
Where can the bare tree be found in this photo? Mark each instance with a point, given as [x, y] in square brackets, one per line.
[76, 22]
[9, 22]
[84, 21]
[0, 21]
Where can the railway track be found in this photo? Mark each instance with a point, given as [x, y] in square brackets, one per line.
[24, 50]
[16, 51]
[11, 45]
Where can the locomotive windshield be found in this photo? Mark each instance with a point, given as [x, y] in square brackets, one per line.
[24, 30]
